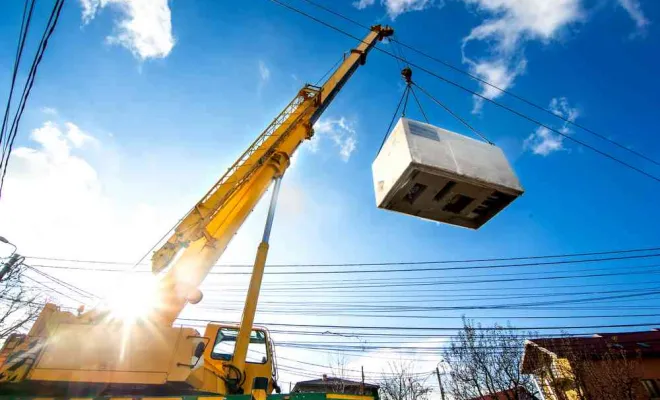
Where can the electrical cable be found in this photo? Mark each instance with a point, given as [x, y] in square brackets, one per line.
[13, 130]
[457, 261]
[55, 290]
[430, 262]
[373, 311]
[22, 37]
[425, 300]
[496, 87]
[424, 328]
[69, 286]
[479, 95]
[425, 281]
[454, 282]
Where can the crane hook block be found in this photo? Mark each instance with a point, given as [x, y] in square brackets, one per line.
[406, 73]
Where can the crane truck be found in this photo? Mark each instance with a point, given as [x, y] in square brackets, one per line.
[95, 354]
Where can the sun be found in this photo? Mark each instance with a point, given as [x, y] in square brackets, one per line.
[135, 300]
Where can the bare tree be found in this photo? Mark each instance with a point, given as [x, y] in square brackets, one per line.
[18, 304]
[402, 383]
[486, 360]
[337, 381]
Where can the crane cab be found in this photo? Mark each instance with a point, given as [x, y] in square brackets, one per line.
[220, 376]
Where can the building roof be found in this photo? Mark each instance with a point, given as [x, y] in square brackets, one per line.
[645, 344]
[331, 380]
[508, 394]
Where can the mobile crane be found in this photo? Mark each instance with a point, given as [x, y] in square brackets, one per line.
[96, 354]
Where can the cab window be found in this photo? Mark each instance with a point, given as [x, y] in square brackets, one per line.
[225, 342]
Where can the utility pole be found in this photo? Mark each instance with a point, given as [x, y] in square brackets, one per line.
[362, 385]
[442, 389]
[13, 260]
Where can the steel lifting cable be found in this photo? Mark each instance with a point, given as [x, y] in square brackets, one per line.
[453, 114]
[406, 72]
[405, 102]
[334, 66]
[396, 112]
[419, 105]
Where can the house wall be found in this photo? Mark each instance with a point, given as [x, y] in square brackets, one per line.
[556, 380]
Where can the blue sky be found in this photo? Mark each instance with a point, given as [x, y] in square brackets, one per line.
[137, 111]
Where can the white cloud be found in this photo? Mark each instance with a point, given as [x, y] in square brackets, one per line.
[77, 137]
[508, 26]
[395, 8]
[398, 7]
[543, 141]
[499, 73]
[340, 131]
[264, 72]
[362, 4]
[634, 10]
[144, 28]
[54, 188]
[49, 111]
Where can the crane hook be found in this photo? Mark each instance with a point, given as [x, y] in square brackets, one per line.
[406, 73]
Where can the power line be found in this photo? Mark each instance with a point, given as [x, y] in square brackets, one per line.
[412, 336]
[487, 83]
[22, 36]
[421, 299]
[436, 262]
[392, 309]
[438, 328]
[452, 282]
[479, 95]
[390, 293]
[55, 290]
[69, 286]
[456, 261]
[271, 287]
[13, 130]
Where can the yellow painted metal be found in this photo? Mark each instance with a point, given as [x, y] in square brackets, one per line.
[340, 396]
[67, 350]
[243, 340]
[93, 347]
[202, 236]
[212, 376]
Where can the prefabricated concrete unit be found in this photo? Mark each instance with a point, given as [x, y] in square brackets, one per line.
[432, 173]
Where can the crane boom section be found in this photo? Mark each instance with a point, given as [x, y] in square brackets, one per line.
[203, 234]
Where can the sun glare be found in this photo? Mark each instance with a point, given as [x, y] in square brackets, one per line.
[135, 299]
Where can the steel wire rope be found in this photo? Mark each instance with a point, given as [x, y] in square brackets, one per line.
[496, 87]
[453, 114]
[396, 112]
[479, 95]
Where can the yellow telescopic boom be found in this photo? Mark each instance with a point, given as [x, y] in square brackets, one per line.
[95, 353]
[207, 229]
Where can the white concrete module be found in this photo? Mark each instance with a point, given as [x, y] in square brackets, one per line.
[432, 173]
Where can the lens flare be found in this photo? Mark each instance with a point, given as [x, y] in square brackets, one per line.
[135, 300]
